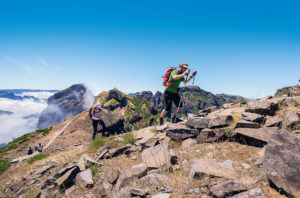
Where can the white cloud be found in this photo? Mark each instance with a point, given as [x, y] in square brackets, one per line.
[15, 125]
[40, 95]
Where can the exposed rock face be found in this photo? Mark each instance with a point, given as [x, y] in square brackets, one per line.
[181, 132]
[66, 180]
[246, 124]
[157, 157]
[85, 178]
[253, 117]
[220, 121]
[254, 193]
[227, 188]
[262, 134]
[65, 103]
[198, 122]
[211, 135]
[290, 120]
[262, 107]
[211, 167]
[289, 91]
[273, 121]
[281, 162]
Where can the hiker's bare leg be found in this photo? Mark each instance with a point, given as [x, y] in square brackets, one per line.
[163, 113]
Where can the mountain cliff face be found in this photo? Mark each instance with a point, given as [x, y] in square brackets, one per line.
[65, 103]
[194, 98]
[289, 91]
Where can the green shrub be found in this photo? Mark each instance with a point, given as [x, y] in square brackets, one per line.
[4, 165]
[96, 144]
[228, 133]
[44, 131]
[37, 157]
[128, 139]
[95, 169]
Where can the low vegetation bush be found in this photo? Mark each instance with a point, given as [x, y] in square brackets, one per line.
[95, 169]
[97, 143]
[4, 165]
[38, 157]
[44, 131]
[128, 139]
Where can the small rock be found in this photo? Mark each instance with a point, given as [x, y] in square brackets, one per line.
[138, 192]
[157, 156]
[227, 162]
[188, 143]
[110, 173]
[246, 124]
[198, 122]
[85, 178]
[134, 157]
[220, 121]
[227, 188]
[181, 132]
[193, 191]
[162, 195]
[246, 166]
[253, 117]
[254, 193]
[44, 169]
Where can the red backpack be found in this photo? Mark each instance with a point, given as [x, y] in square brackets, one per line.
[166, 78]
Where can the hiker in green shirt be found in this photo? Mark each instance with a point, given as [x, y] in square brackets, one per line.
[171, 93]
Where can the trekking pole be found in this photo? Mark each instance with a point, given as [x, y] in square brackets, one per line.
[191, 95]
[180, 93]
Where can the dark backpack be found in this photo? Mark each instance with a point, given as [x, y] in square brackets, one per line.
[90, 112]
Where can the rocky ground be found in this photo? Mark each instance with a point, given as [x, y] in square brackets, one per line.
[239, 150]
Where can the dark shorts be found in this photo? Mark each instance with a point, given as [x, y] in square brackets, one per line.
[172, 97]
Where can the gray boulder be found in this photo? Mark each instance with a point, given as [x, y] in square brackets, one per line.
[253, 117]
[155, 179]
[254, 193]
[262, 134]
[220, 121]
[198, 122]
[211, 167]
[66, 180]
[211, 135]
[281, 162]
[180, 132]
[290, 120]
[273, 121]
[157, 157]
[85, 178]
[263, 107]
[246, 124]
[227, 188]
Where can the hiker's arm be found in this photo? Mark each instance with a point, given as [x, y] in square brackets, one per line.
[177, 77]
[190, 78]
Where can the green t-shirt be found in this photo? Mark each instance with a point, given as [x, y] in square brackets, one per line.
[174, 83]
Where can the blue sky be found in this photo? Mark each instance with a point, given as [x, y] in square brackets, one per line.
[249, 48]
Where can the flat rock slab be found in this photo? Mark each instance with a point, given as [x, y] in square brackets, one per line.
[290, 120]
[253, 117]
[211, 135]
[281, 162]
[220, 121]
[85, 178]
[138, 192]
[198, 122]
[66, 180]
[44, 169]
[262, 134]
[273, 121]
[114, 152]
[155, 180]
[110, 173]
[180, 132]
[211, 167]
[227, 188]
[157, 157]
[254, 193]
[246, 124]
[162, 195]
[188, 143]
[263, 106]
[138, 170]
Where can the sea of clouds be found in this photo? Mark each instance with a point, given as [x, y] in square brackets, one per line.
[25, 115]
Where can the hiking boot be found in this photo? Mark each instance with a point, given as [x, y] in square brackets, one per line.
[161, 121]
[175, 119]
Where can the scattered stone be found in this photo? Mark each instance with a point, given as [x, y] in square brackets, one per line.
[180, 132]
[64, 170]
[193, 191]
[102, 151]
[155, 179]
[44, 169]
[273, 121]
[227, 188]
[173, 157]
[198, 122]
[253, 117]
[281, 162]
[156, 157]
[188, 143]
[227, 162]
[162, 195]
[162, 127]
[134, 171]
[220, 121]
[262, 134]
[149, 137]
[262, 107]
[85, 178]
[254, 193]
[211, 135]
[290, 120]
[257, 159]
[246, 166]
[48, 182]
[138, 192]
[246, 124]
[106, 185]
[114, 152]
[110, 173]
[134, 157]
[66, 180]
[81, 163]
[211, 167]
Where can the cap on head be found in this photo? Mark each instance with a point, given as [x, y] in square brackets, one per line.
[184, 65]
[98, 104]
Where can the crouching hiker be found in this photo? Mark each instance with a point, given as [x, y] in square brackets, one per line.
[30, 151]
[95, 113]
[40, 147]
[172, 80]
